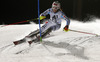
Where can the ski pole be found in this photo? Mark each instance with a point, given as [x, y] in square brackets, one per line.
[83, 32]
[20, 22]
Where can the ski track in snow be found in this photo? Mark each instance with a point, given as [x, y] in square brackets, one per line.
[60, 46]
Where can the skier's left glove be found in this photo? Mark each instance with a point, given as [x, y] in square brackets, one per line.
[66, 28]
[42, 17]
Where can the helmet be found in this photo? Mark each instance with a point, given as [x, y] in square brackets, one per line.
[56, 5]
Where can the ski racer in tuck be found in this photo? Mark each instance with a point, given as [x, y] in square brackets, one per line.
[54, 23]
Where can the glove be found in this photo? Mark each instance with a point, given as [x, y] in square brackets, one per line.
[42, 17]
[66, 28]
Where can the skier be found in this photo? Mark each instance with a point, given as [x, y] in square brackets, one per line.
[54, 23]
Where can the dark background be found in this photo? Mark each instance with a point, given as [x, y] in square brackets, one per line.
[19, 10]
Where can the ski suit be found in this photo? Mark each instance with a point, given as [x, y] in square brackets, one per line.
[55, 20]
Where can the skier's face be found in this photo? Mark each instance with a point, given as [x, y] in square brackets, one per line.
[54, 10]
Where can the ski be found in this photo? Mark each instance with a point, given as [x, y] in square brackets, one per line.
[19, 42]
[32, 37]
[26, 38]
[35, 41]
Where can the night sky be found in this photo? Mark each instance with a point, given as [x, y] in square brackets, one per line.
[19, 10]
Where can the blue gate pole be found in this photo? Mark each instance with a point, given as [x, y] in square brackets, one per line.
[39, 19]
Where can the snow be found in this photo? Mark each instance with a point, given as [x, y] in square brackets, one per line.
[59, 46]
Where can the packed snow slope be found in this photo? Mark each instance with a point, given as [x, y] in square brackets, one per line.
[59, 46]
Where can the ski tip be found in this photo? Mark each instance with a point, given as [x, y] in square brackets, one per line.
[30, 42]
[16, 43]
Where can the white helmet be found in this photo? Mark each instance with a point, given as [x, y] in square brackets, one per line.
[56, 5]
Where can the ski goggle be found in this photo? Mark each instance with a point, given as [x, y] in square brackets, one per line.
[56, 8]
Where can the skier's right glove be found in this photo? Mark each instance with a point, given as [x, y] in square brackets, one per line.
[66, 28]
[42, 17]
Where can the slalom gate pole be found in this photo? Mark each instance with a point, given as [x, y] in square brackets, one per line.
[19, 22]
[83, 32]
[39, 20]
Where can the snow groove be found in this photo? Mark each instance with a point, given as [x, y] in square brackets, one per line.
[5, 47]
